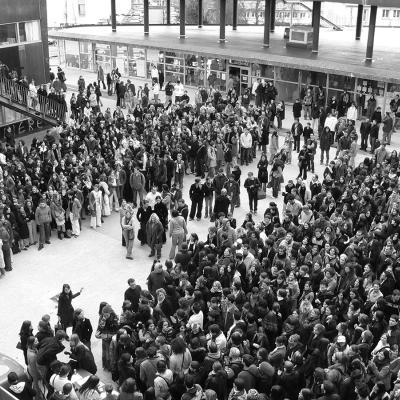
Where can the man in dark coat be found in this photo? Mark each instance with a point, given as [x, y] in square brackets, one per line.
[20, 390]
[133, 294]
[222, 203]
[196, 194]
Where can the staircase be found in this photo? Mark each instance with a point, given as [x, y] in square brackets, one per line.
[20, 99]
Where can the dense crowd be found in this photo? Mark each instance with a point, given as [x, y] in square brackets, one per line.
[304, 304]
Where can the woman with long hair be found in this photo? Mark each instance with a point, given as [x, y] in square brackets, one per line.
[128, 231]
[106, 329]
[155, 233]
[24, 333]
[65, 310]
[263, 170]
[181, 357]
[89, 390]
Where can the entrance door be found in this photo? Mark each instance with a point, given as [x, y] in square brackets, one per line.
[238, 79]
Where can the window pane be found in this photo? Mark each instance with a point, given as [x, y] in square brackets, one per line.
[194, 77]
[103, 49]
[173, 54]
[217, 80]
[262, 71]
[173, 76]
[174, 68]
[32, 31]
[313, 78]
[287, 91]
[8, 34]
[216, 64]
[72, 53]
[136, 53]
[137, 68]
[341, 82]
[86, 61]
[193, 60]
[85, 47]
[286, 74]
[22, 33]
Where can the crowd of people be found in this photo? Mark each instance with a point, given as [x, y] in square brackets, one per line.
[303, 304]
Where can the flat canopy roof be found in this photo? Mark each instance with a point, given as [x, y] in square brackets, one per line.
[339, 52]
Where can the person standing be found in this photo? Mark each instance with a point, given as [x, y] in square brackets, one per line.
[43, 219]
[297, 131]
[128, 231]
[177, 232]
[75, 208]
[233, 190]
[179, 91]
[137, 182]
[155, 233]
[196, 194]
[303, 162]
[365, 129]
[95, 199]
[179, 171]
[143, 216]
[387, 128]
[252, 185]
[208, 197]
[246, 144]
[325, 144]
[373, 135]
[65, 311]
[82, 327]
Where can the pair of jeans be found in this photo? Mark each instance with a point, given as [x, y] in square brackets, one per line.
[253, 200]
[137, 193]
[327, 156]
[177, 240]
[245, 155]
[129, 243]
[32, 231]
[44, 232]
[208, 205]
[196, 204]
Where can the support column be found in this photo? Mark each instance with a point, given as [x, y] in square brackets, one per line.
[371, 33]
[273, 9]
[222, 20]
[316, 24]
[359, 21]
[200, 13]
[267, 22]
[182, 18]
[113, 16]
[168, 5]
[235, 15]
[146, 16]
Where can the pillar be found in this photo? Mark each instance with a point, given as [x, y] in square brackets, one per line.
[182, 18]
[146, 16]
[316, 11]
[371, 33]
[235, 15]
[200, 13]
[267, 22]
[222, 20]
[168, 5]
[359, 21]
[113, 16]
[273, 9]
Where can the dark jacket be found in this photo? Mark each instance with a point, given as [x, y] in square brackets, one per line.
[83, 328]
[48, 350]
[221, 204]
[22, 391]
[82, 358]
[65, 309]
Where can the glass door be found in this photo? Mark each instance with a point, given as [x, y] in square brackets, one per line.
[244, 79]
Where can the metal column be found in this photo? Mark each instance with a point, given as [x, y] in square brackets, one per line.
[168, 6]
[371, 33]
[146, 16]
[267, 22]
[182, 18]
[273, 10]
[113, 16]
[359, 21]
[222, 20]
[235, 15]
[200, 13]
[316, 25]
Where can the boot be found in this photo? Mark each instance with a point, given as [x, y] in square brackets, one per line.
[66, 236]
[59, 235]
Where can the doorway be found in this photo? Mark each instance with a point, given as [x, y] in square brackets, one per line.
[238, 78]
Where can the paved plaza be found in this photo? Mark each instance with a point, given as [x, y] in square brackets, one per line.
[96, 260]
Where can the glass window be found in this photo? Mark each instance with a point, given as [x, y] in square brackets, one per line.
[174, 68]
[313, 78]
[287, 91]
[286, 74]
[103, 49]
[72, 53]
[217, 79]
[194, 76]
[173, 61]
[85, 47]
[341, 82]
[136, 53]
[262, 71]
[173, 54]
[81, 8]
[193, 60]
[86, 61]
[136, 62]
[393, 88]
[216, 64]
[29, 31]
[8, 34]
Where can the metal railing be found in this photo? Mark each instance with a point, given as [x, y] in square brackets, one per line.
[34, 103]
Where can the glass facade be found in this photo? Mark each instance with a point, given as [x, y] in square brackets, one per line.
[72, 53]
[197, 70]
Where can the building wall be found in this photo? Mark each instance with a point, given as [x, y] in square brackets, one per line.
[33, 58]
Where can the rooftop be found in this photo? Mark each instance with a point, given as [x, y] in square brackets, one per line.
[339, 52]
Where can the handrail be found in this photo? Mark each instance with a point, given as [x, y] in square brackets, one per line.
[31, 101]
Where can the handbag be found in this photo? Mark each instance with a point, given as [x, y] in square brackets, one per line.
[261, 194]
[19, 346]
[57, 327]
